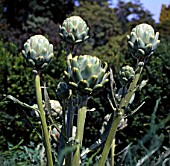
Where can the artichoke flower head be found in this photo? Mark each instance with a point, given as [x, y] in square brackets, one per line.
[143, 41]
[86, 74]
[38, 52]
[127, 74]
[74, 30]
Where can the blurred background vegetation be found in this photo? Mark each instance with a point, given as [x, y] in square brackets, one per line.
[108, 29]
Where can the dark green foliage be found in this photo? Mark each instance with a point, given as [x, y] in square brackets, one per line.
[113, 52]
[33, 23]
[23, 155]
[15, 78]
[21, 20]
[16, 12]
[164, 30]
[148, 148]
[38, 25]
[158, 70]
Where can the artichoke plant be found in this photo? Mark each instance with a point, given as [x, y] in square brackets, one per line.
[143, 41]
[74, 30]
[38, 52]
[86, 74]
[127, 74]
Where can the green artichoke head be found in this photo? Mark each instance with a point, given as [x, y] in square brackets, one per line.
[86, 74]
[127, 74]
[38, 52]
[143, 41]
[74, 30]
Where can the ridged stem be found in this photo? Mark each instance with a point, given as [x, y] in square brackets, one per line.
[113, 152]
[70, 117]
[80, 131]
[43, 120]
[122, 106]
[109, 141]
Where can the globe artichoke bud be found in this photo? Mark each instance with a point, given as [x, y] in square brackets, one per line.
[86, 74]
[127, 74]
[63, 91]
[74, 30]
[143, 41]
[38, 52]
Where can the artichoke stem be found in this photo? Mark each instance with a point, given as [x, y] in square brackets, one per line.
[43, 120]
[109, 142]
[80, 130]
[113, 152]
[70, 118]
[123, 105]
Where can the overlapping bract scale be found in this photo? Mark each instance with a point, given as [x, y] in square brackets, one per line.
[86, 74]
[143, 41]
[74, 30]
[127, 74]
[38, 52]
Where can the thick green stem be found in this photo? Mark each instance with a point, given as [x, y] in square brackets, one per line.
[64, 114]
[70, 118]
[80, 131]
[43, 120]
[109, 141]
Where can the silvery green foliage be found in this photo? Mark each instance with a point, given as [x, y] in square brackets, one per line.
[74, 30]
[143, 41]
[86, 74]
[30, 154]
[38, 52]
[127, 74]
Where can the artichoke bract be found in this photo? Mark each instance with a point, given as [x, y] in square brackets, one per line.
[38, 52]
[86, 74]
[143, 41]
[127, 74]
[74, 30]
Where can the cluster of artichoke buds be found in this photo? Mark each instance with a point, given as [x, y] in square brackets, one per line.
[127, 74]
[86, 74]
[74, 30]
[143, 41]
[38, 52]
